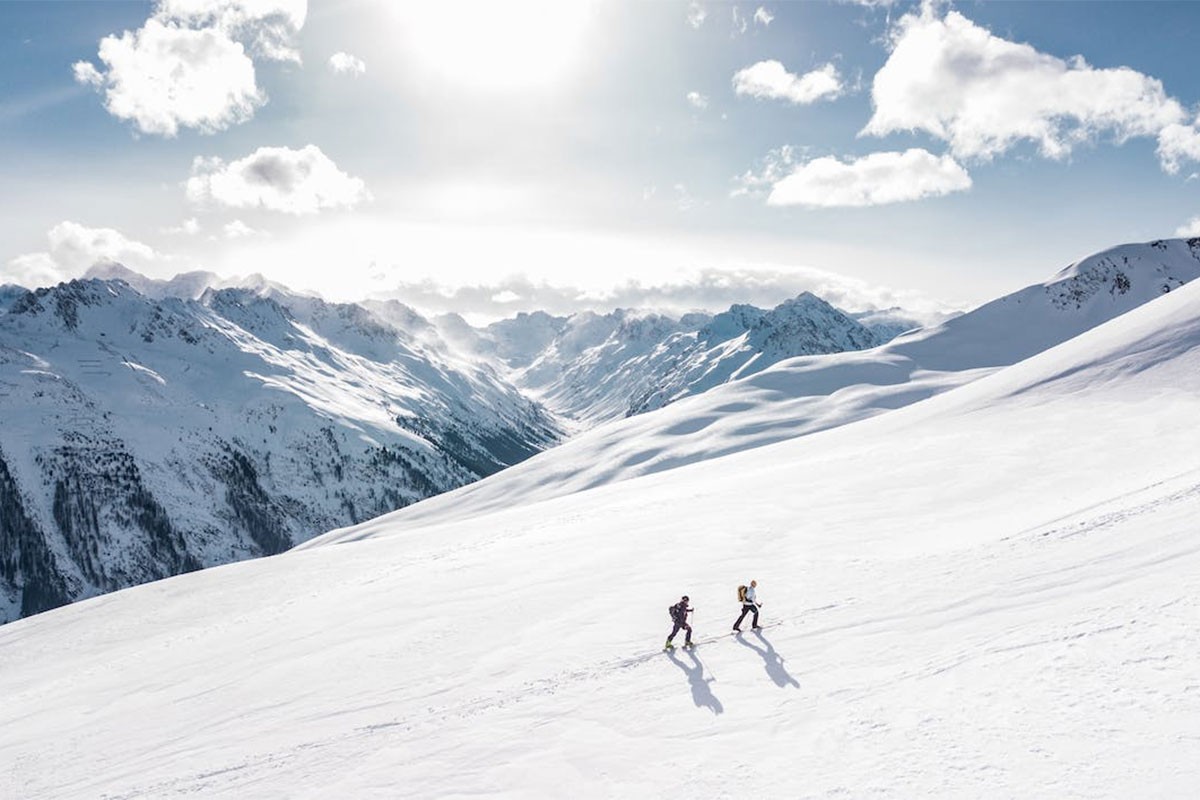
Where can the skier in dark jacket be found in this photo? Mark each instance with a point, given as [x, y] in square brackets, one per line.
[679, 613]
[750, 604]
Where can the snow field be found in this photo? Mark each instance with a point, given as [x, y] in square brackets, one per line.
[1055, 661]
[989, 593]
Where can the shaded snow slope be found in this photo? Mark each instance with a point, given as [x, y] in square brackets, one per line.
[144, 437]
[805, 395]
[991, 593]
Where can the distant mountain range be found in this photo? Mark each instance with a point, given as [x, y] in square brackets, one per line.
[144, 437]
[156, 427]
[596, 367]
[809, 394]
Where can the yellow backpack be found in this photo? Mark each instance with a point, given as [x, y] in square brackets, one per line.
[741, 594]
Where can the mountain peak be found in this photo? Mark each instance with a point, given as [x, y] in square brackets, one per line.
[1144, 270]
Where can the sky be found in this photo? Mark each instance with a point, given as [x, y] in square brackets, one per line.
[490, 158]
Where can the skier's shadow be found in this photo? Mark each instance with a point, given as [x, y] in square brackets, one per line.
[771, 660]
[702, 694]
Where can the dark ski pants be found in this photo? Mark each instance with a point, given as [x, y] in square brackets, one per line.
[746, 609]
[681, 626]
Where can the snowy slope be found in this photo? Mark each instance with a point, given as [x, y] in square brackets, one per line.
[990, 593]
[147, 437]
[805, 395]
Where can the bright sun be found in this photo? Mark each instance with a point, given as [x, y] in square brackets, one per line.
[496, 44]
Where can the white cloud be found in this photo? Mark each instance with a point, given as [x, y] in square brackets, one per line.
[1176, 144]
[696, 14]
[697, 100]
[770, 80]
[774, 167]
[239, 230]
[875, 179]
[302, 181]
[268, 27]
[162, 77]
[1191, 228]
[740, 23]
[86, 73]
[189, 227]
[73, 248]
[190, 64]
[684, 200]
[763, 17]
[346, 64]
[983, 94]
[34, 271]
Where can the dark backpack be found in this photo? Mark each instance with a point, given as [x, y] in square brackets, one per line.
[676, 612]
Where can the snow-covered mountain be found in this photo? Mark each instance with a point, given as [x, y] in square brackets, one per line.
[888, 323]
[9, 294]
[809, 394]
[155, 426]
[596, 367]
[144, 437]
[987, 593]
[186, 285]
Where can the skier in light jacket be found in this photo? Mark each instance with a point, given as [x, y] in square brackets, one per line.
[750, 605]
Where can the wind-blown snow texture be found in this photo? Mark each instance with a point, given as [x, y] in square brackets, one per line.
[805, 395]
[143, 438]
[989, 593]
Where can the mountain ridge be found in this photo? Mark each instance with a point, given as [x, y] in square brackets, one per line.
[810, 394]
[146, 437]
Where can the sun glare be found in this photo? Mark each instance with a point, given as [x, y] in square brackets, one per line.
[496, 46]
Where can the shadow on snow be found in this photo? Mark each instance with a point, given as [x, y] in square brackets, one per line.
[702, 694]
[771, 660]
